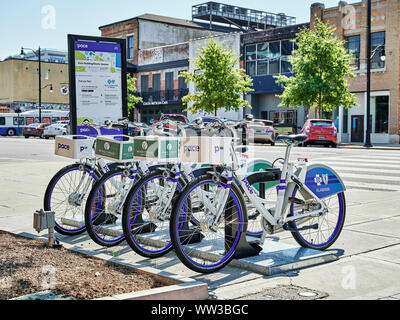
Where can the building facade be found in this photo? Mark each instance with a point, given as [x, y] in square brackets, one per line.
[150, 31]
[158, 81]
[19, 85]
[229, 42]
[350, 21]
[265, 55]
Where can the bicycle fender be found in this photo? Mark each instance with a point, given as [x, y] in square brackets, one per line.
[324, 181]
[200, 172]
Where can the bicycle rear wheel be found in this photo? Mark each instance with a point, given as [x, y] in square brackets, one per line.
[201, 245]
[145, 224]
[322, 230]
[65, 196]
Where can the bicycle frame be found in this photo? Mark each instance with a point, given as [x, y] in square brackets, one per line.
[277, 216]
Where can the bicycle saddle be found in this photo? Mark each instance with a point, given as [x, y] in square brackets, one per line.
[293, 138]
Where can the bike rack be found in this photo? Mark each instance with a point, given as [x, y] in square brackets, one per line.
[246, 249]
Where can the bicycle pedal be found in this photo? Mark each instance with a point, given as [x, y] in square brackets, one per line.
[297, 201]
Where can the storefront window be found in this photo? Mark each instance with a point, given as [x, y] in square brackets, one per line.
[382, 115]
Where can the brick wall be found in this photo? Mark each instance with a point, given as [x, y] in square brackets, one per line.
[350, 19]
[122, 30]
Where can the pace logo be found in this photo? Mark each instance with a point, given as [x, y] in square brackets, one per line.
[84, 148]
[191, 148]
[320, 180]
[248, 186]
[63, 146]
[218, 149]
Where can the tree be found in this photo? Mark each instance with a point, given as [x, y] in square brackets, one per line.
[133, 100]
[219, 83]
[321, 65]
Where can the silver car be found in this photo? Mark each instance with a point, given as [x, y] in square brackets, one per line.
[261, 131]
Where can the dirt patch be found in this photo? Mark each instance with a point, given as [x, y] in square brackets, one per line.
[29, 266]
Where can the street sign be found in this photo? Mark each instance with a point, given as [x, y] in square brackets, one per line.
[98, 88]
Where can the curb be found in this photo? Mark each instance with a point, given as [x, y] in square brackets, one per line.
[176, 287]
[184, 291]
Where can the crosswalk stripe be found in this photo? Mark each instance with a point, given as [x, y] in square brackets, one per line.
[394, 180]
[337, 163]
[380, 175]
[355, 161]
[369, 186]
[394, 159]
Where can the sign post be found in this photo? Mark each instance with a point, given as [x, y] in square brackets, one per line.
[98, 84]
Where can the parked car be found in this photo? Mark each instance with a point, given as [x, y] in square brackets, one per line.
[34, 130]
[138, 129]
[56, 130]
[320, 132]
[261, 131]
[172, 126]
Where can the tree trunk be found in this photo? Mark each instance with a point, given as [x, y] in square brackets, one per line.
[320, 105]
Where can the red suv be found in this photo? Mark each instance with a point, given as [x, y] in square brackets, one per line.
[321, 132]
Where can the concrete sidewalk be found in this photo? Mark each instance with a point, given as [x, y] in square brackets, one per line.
[368, 250]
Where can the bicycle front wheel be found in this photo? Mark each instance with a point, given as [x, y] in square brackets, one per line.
[321, 230]
[67, 194]
[203, 244]
[104, 207]
[147, 212]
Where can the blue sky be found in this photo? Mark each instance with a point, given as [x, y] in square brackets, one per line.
[21, 21]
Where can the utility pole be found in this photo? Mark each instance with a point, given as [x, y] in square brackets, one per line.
[40, 86]
[368, 143]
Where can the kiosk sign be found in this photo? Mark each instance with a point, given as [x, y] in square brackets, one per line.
[98, 81]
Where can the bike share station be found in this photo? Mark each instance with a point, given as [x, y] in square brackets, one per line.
[98, 94]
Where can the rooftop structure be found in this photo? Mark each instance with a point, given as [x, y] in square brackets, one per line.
[242, 18]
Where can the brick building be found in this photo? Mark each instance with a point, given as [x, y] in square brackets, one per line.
[350, 21]
[159, 83]
[157, 52]
[19, 85]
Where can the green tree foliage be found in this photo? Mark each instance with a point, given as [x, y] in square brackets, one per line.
[132, 99]
[321, 65]
[219, 84]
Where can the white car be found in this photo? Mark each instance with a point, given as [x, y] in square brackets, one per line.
[56, 130]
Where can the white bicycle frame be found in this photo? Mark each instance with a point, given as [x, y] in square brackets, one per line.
[291, 177]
